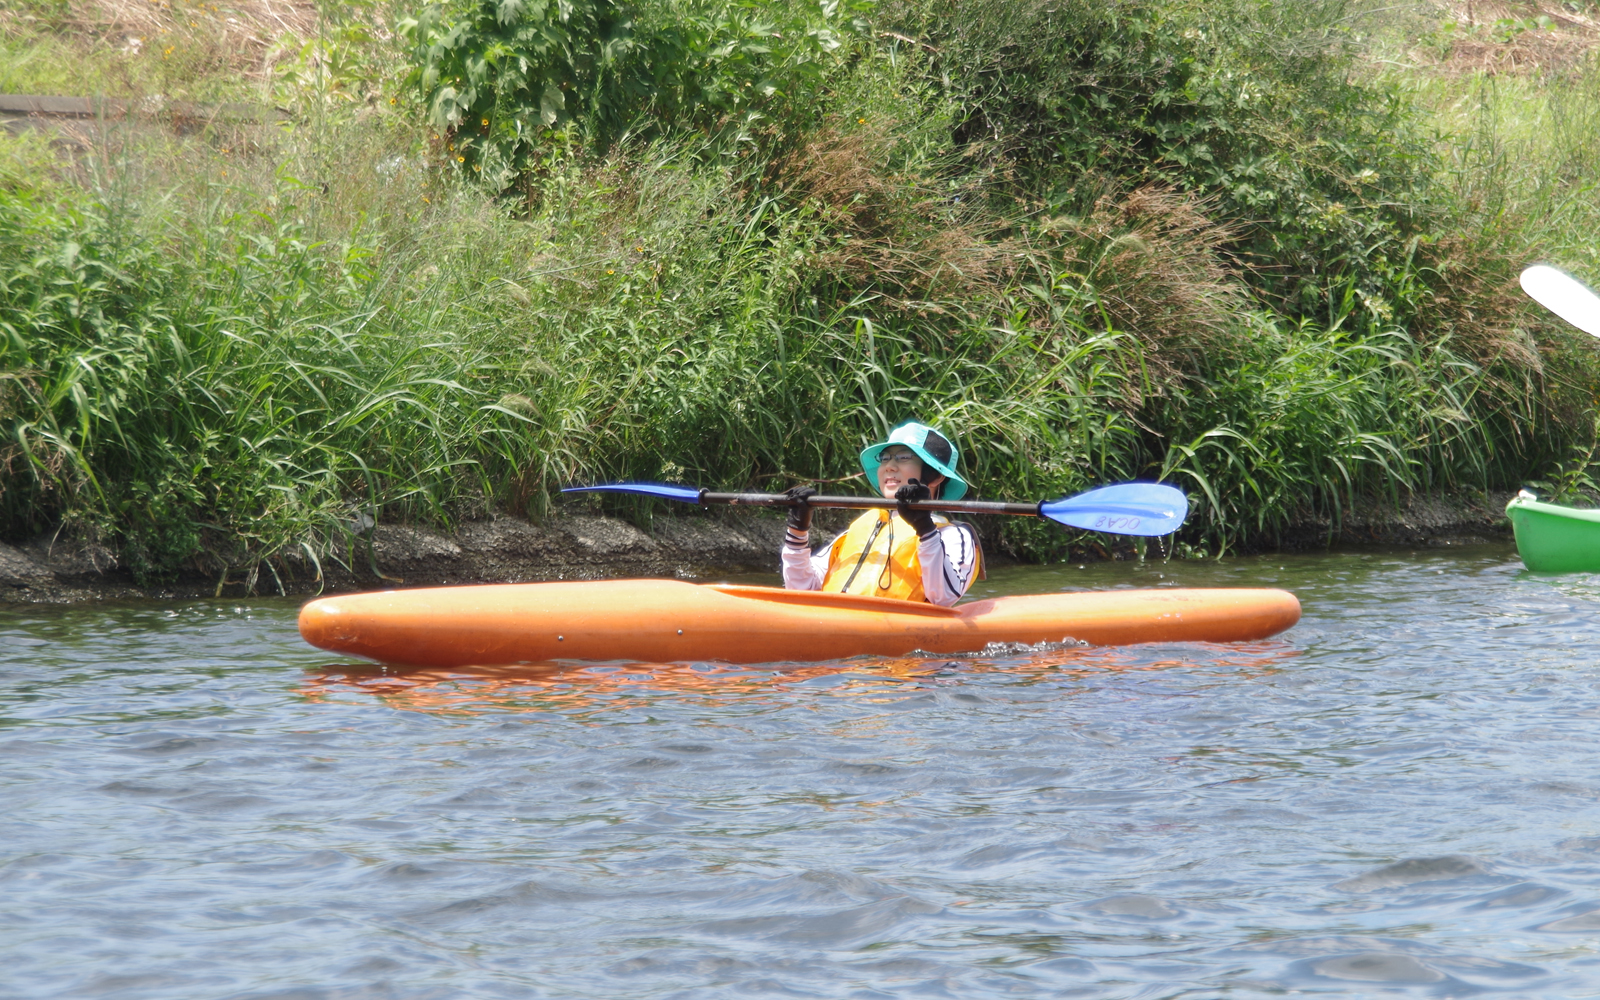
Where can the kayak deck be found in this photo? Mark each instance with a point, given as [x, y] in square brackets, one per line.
[669, 621]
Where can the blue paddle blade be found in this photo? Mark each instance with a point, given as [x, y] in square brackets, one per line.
[1127, 509]
[666, 491]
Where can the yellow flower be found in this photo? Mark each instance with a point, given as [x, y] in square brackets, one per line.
[611, 272]
[461, 159]
[486, 123]
[393, 100]
[426, 201]
[861, 121]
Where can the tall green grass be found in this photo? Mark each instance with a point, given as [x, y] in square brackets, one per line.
[1526, 155]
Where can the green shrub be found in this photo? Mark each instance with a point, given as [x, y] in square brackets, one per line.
[498, 75]
[1254, 106]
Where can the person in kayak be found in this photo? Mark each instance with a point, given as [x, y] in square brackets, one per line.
[912, 555]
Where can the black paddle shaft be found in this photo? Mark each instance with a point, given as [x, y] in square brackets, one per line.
[869, 503]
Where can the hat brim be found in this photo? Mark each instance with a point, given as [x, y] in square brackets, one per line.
[954, 488]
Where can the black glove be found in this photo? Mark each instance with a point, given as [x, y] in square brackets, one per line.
[921, 520]
[800, 513]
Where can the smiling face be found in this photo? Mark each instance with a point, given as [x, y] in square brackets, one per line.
[898, 465]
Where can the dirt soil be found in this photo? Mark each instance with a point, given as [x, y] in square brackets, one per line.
[1428, 520]
[497, 550]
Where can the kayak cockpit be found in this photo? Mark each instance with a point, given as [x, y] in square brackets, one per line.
[819, 599]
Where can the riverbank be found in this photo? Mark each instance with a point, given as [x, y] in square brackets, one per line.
[508, 549]
[498, 549]
[1268, 253]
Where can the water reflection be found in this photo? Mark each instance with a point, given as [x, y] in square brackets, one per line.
[590, 687]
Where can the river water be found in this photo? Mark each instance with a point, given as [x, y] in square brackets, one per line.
[1401, 796]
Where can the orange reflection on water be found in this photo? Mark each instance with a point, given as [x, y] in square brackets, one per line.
[586, 688]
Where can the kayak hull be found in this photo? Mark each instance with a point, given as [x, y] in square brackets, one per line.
[1555, 539]
[660, 621]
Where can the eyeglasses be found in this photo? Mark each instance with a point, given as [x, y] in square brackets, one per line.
[897, 458]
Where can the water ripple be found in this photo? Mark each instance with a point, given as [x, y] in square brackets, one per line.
[1397, 798]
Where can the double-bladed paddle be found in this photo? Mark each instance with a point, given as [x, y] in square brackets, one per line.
[1126, 509]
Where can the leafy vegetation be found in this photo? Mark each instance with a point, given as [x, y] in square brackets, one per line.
[499, 75]
[1263, 250]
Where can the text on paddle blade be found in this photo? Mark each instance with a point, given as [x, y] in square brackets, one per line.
[1115, 524]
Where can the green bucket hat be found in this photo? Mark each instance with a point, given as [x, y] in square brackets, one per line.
[933, 448]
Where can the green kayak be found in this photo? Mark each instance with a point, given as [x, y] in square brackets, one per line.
[1554, 539]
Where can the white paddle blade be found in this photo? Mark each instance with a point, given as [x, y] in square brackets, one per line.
[1563, 295]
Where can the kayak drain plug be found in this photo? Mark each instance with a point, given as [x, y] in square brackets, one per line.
[680, 631]
[561, 638]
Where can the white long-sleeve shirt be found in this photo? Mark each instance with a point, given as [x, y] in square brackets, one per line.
[948, 558]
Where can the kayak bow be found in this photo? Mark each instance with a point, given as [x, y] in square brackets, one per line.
[1555, 539]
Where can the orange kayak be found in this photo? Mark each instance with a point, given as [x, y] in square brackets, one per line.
[665, 621]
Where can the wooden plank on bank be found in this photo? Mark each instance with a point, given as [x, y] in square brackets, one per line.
[52, 106]
[38, 104]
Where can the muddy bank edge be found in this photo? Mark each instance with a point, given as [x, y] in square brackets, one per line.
[501, 549]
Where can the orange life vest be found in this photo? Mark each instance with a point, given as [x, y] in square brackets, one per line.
[877, 556]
